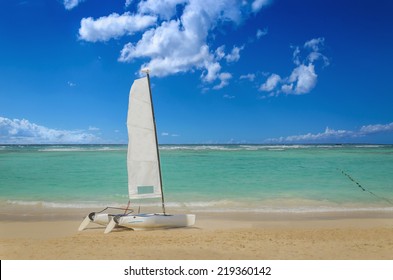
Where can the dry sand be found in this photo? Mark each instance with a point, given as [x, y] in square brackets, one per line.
[331, 236]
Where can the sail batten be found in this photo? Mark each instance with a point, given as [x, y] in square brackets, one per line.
[142, 158]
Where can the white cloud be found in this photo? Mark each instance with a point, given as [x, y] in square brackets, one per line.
[127, 3]
[179, 34]
[234, 55]
[258, 4]
[113, 26]
[180, 45]
[212, 71]
[303, 77]
[295, 55]
[172, 50]
[15, 131]
[315, 44]
[71, 84]
[224, 78]
[250, 77]
[327, 134]
[287, 88]
[70, 4]
[376, 128]
[92, 128]
[271, 83]
[227, 96]
[302, 80]
[220, 52]
[165, 9]
[261, 33]
[332, 134]
[169, 134]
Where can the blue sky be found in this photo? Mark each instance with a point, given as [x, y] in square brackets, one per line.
[223, 71]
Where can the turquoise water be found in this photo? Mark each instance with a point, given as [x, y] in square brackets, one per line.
[205, 178]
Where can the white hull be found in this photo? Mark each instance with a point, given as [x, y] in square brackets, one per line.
[102, 219]
[155, 221]
[139, 221]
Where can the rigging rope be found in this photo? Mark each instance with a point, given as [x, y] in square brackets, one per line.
[128, 205]
[117, 208]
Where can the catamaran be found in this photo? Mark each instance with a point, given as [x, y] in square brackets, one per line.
[143, 167]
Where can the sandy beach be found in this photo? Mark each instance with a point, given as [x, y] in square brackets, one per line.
[330, 236]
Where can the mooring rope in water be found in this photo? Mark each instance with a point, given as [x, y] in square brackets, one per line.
[363, 188]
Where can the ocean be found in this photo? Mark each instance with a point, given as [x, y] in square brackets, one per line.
[204, 178]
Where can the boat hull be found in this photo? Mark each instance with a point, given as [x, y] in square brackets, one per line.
[102, 219]
[155, 221]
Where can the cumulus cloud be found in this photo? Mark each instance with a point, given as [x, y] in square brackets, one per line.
[180, 45]
[220, 52]
[171, 50]
[332, 134]
[303, 77]
[15, 131]
[174, 34]
[165, 9]
[302, 80]
[234, 55]
[70, 4]
[113, 26]
[224, 78]
[271, 83]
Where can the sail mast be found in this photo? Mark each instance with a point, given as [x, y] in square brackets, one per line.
[155, 133]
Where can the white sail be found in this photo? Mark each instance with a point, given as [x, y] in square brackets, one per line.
[142, 157]
[143, 164]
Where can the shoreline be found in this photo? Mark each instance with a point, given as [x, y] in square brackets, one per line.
[40, 212]
[33, 213]
[215, 236]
